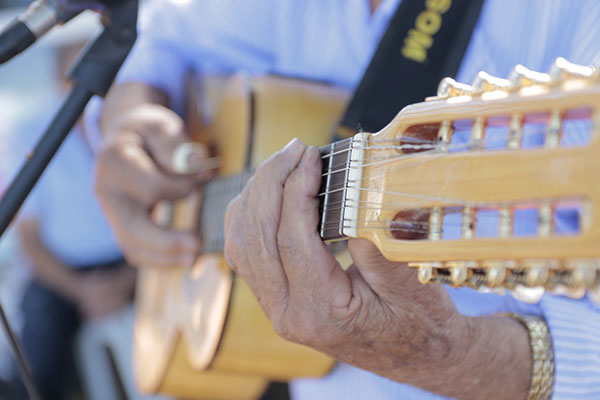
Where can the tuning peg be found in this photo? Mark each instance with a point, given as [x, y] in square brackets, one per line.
[485, 82]
[460, 271]
[425, 273]
[536, 275]
[495, 274]
[448, 87]
[563, 69]
[522, 76]
[583, 273]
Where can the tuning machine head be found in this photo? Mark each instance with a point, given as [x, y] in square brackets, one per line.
[485, 82]
[448, 87]
[522, 76]
[563, 69]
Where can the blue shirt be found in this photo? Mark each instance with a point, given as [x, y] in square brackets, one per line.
[332, 41]
[70, 222]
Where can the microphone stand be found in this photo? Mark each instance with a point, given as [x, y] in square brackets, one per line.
[92, 75]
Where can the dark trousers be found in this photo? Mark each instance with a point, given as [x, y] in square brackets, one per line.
[51, 322]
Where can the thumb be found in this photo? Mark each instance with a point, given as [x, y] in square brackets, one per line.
[166, 141]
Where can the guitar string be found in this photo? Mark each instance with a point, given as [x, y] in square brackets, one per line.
[407, 140]
[475, 218]
[439, 150]
[479, 144]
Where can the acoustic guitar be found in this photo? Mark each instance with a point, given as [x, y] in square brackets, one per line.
[200, 333]
[445, 187]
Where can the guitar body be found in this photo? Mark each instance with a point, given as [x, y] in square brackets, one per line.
[199, 332]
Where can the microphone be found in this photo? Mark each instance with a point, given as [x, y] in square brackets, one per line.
[39, 18]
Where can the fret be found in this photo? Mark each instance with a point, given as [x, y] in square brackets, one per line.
[336, 159]
[327, 164]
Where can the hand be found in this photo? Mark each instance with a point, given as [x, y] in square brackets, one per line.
[101, 293]
[375, 315]
[134, 172]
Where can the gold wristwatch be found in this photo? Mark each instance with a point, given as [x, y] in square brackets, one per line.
[542, 376]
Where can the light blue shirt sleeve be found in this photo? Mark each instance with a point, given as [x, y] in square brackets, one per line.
[221, 37]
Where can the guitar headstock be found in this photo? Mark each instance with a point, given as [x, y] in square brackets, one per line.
[490, 184]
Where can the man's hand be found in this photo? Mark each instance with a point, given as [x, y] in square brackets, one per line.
[375, 315]
[134, 172]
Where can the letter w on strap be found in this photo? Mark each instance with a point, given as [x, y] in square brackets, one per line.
[424, 42]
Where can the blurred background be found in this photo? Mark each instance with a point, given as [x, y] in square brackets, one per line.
[31, 91]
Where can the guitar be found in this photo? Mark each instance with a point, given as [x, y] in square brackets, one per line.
[200, 333]
[446, 184]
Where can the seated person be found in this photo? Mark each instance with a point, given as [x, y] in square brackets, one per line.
[77, 271]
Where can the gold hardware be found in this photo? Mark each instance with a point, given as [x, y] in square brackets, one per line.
[552, 139]
[448, 87]
[536, 275]
[467, 222]
[563, 69]
[505, 216]
[545, 220]
[521, 76]
[542, 354]
[435, 224]
[583, 273]
[495, 273]
[444, 134]
[477, 133]
[425, 273]
[515, 132]
[485, 82]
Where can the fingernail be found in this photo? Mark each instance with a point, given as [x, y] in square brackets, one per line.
[293, 146]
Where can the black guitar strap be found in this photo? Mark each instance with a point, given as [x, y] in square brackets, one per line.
[424, 42]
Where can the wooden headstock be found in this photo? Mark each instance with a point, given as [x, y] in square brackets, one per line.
[495, 183]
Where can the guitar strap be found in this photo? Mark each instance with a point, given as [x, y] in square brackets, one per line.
[424, 42]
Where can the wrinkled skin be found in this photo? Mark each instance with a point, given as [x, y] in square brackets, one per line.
[375, 315]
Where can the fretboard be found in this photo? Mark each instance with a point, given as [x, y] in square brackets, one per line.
[217, 194]
[220, 191]
[332, 194]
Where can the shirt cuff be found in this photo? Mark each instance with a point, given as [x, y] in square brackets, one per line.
[575, 329]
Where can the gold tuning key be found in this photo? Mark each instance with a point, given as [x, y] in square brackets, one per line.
[425, 272]
[536, 275]
[448, 87]
[485, 82]
[583, 273]
[522, 76]
[495, 273]
[562, 70]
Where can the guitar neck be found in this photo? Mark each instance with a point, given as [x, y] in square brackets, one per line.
[217, 194]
